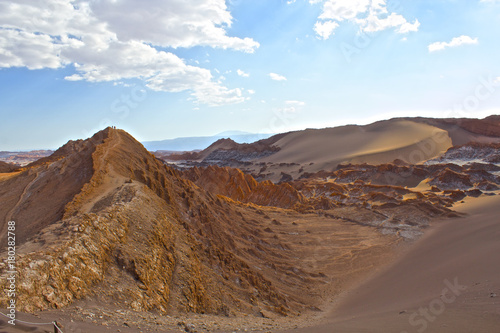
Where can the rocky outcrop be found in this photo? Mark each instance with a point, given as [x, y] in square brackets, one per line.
[444, 176]
[449, 179]
[488, 153]
[411, 209]
[383, 174]
[233, 183]
[227, 155]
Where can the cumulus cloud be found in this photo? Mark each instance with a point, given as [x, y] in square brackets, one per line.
[20, 48]
[374, 23]
[369, 15]
[173, 23]
[110, 40]
[325, 29]
[277, 77]
[457, 41]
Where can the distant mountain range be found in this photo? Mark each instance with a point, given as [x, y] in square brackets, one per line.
[202, 142]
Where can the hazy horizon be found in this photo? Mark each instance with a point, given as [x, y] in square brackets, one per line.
[230, 133]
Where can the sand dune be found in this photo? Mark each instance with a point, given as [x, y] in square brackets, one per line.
[449, 281]
[376, 143]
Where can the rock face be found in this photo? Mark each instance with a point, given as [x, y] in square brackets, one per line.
[449, 179]
[99, 251]
[233, 183]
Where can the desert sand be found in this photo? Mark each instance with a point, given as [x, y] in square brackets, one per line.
[372, 143]
[448, 281]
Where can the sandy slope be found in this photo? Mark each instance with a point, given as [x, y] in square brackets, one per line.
[446, 282]
[376, 143]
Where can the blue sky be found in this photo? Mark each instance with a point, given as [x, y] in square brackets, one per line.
[172, 68]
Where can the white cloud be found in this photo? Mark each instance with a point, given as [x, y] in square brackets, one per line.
[373, 23]
[457, 41]
[111, 40]
[277, 77]
[325, 29]
[251, 91]
[242, 73]
[172, 23]
[214, 94]
[369, 15]
[20, 48]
